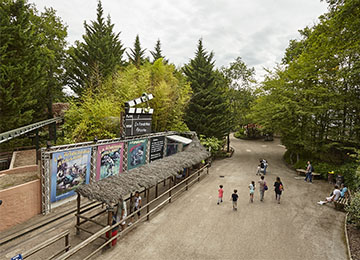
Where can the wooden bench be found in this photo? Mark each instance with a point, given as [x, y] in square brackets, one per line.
[343, 201]
[303, 172]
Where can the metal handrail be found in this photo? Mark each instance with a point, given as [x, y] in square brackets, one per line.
[92, 238]
[6, 136]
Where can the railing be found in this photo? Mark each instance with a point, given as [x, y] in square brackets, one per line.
[196, 175]
[49, 242]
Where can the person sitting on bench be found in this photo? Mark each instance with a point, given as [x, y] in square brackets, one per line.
[344, 193]
[334, 197]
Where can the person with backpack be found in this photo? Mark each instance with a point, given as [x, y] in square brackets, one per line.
[278, 189]
[309, 171]
[234, 198]
[265, 164]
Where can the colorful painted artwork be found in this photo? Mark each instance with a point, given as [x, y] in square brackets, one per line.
[109, 160]
[136, 153]
[69, 169]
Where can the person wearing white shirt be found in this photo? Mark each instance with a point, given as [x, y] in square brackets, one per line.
[334, 197]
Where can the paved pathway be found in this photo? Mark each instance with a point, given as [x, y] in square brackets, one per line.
[194, 227]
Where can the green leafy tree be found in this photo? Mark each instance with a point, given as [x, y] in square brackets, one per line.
[207, 113]
[32, 51]
[99, 115]
[239, 79]
[313, 98]
[98, 56]
[53, 33]
[136, 55]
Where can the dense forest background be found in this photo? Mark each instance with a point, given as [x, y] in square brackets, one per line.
[311, 100]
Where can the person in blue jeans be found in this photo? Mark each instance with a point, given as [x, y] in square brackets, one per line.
[309, 170]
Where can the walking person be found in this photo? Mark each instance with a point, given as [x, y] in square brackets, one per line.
[121, 213]
[309, 170]
[234, 198]
[278, 189]
[137, 206]
[262, 187]
[265, 163]
[252, 190]
[221, 193]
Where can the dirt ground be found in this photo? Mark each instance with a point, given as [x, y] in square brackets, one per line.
[10, 180]
[193, 226]
[354, 241]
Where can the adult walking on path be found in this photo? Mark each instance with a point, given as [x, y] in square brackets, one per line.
[262, 185]
[278, 189]
[192, 226]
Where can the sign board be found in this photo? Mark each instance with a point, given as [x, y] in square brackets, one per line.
[17, 257]
[137, 124]
[69, 169]
[109, 160]
[136, 153]
[156, 148]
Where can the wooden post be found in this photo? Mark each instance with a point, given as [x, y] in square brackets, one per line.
[110, 215]
[198, 175]
[164, 182]
[78, 214]
[169, 189]
[186, 176]
[66, 242]
[147, 202]
[130, 203]
[156, 190]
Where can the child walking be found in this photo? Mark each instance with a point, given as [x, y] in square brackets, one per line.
[221, 193]
[252, 189]
[234, 198]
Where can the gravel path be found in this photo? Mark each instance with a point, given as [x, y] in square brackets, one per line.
[194, 227]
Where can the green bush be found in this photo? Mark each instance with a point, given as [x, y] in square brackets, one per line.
[240, 134]
[213, 144]
[354, 209]
[348, 169]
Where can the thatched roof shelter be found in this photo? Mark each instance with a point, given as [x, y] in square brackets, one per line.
[113, 188]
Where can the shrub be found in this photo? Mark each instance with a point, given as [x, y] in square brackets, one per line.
[213, 144]
[240, 134]
[354, 209]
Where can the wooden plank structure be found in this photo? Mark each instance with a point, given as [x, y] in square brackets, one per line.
[342, 202]
[37, 248]
[113, 189]
[303, 172]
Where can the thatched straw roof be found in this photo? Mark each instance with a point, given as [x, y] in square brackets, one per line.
[113, 188]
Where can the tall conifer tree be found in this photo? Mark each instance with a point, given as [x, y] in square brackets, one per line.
[136, 55]
[97, 57]
[157, 53]
[21, 65]
[207, 113]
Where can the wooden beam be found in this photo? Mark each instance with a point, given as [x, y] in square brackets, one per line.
[91, 220]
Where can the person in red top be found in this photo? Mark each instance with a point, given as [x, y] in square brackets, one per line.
[221, 193]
